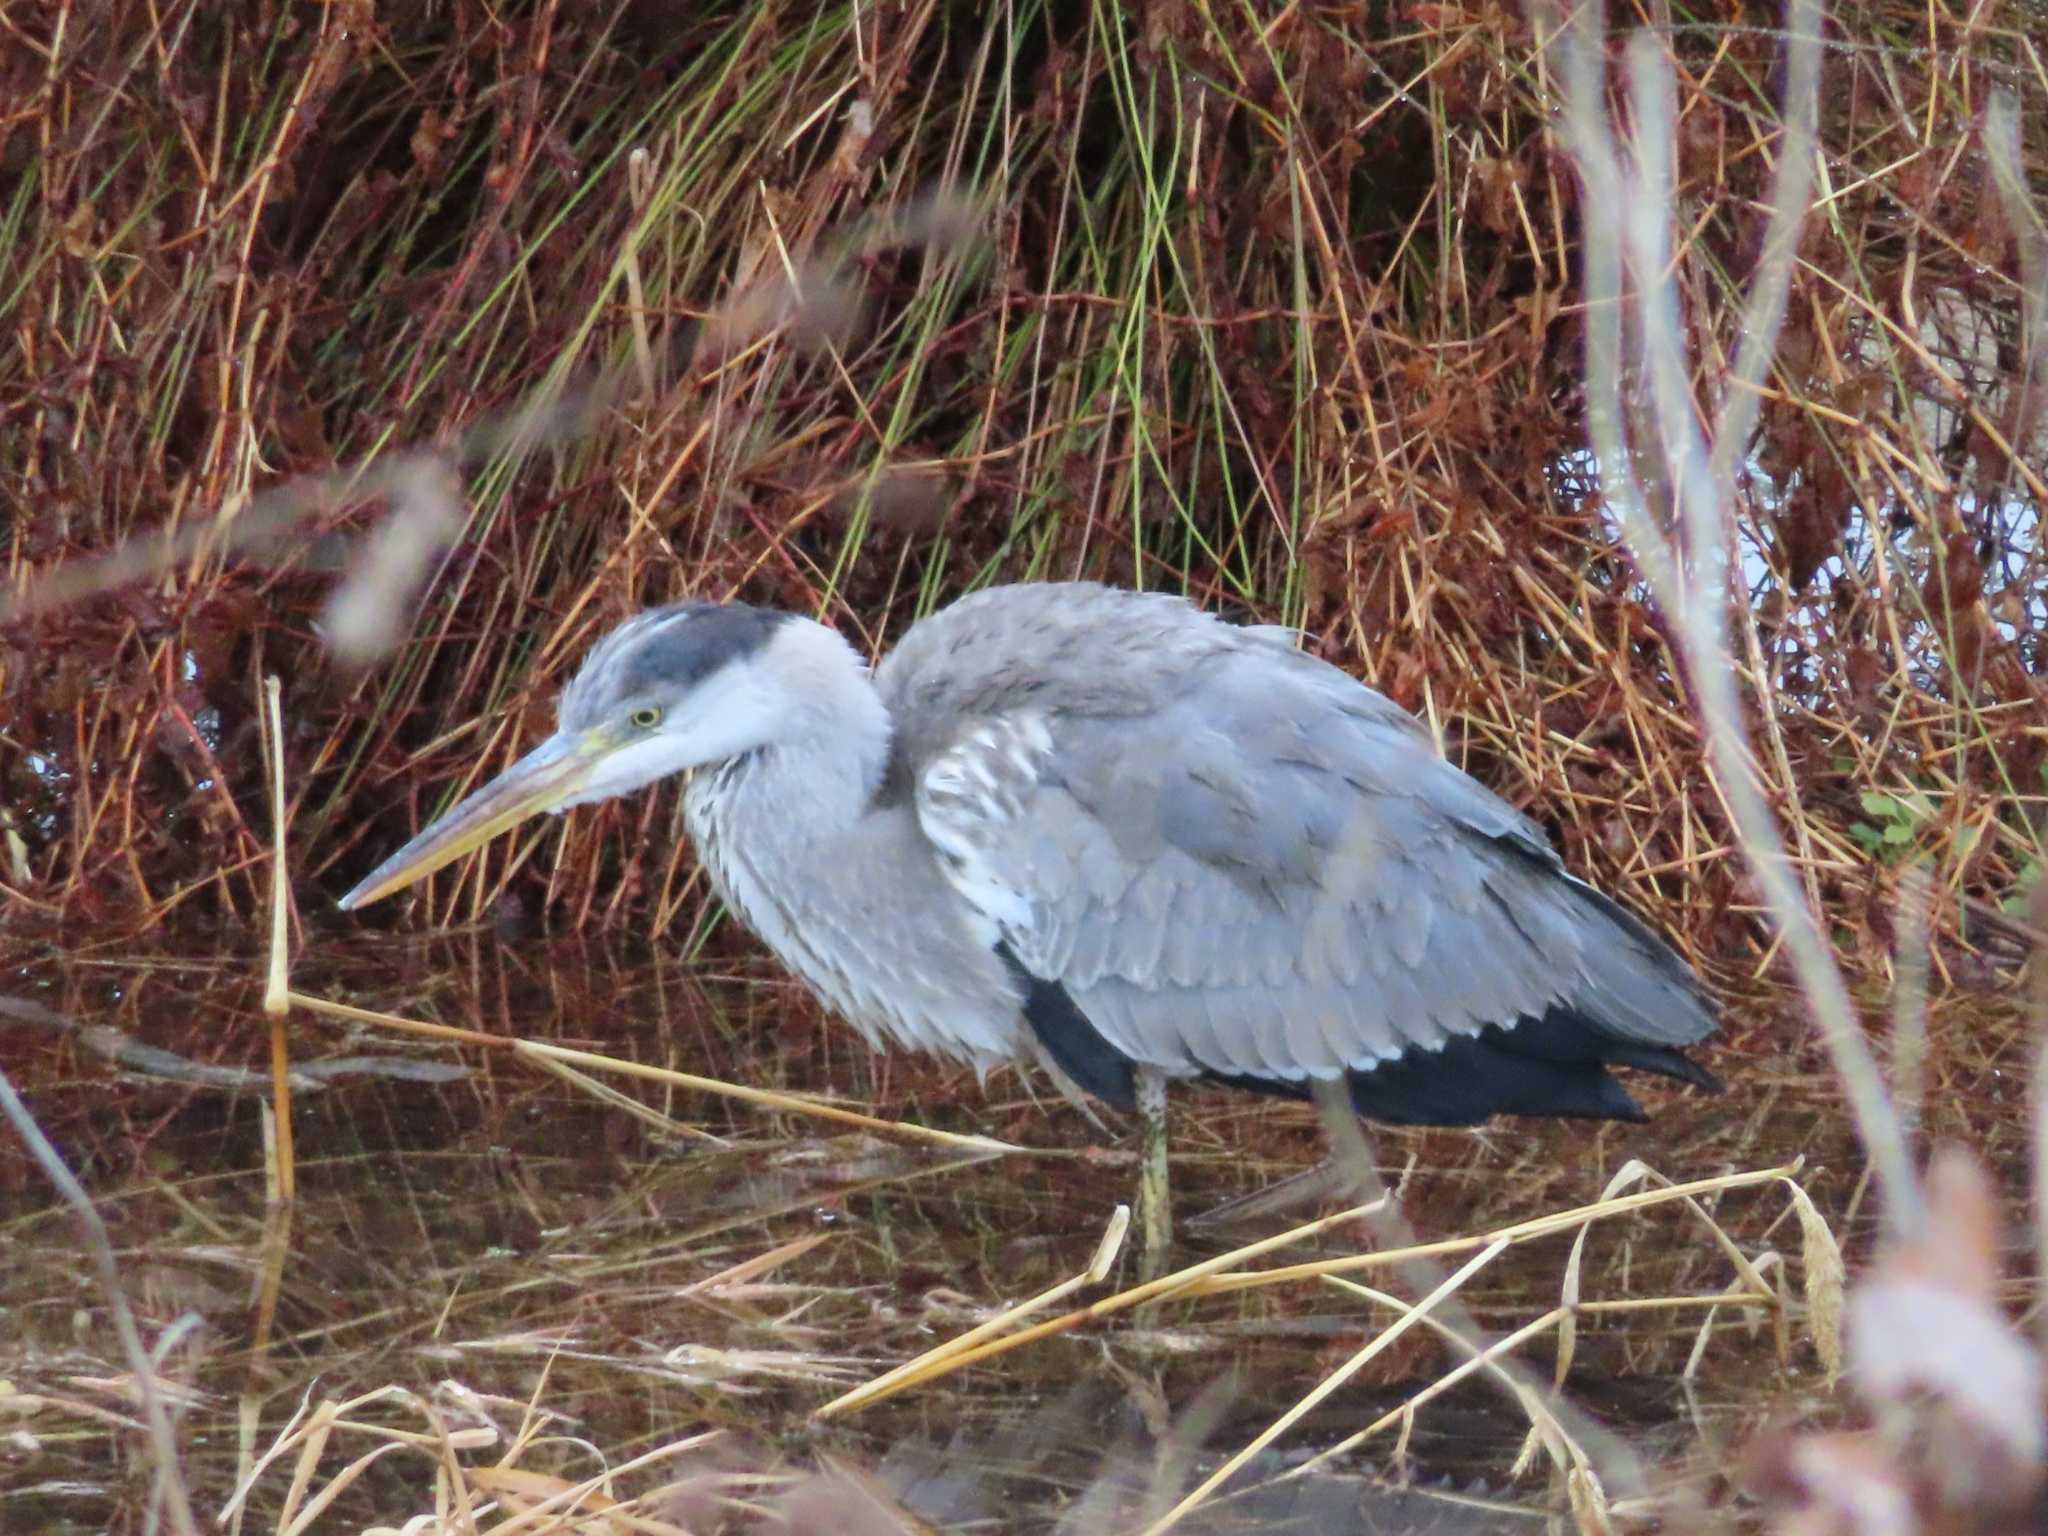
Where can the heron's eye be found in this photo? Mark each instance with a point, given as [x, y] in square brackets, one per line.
[646, 717]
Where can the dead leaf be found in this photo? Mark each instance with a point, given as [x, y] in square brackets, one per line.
[1927, 1323]
[1825, 1278]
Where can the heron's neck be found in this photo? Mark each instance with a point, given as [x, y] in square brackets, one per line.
[839, 884]
[822, 778]
[779, 829]
[819, 772]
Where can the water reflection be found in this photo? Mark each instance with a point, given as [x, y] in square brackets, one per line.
[504, 1244]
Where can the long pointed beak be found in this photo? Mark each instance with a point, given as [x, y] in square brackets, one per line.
[540, 781]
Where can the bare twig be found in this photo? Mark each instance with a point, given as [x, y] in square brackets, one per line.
[170, 1478]
[1629, 211]
[2030, 234]
[790, 1103]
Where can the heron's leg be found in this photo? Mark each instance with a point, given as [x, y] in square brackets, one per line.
[1155, 1197]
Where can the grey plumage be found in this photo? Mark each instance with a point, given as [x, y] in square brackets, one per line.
[1235, 858]
[665, 648]
[1137, 835]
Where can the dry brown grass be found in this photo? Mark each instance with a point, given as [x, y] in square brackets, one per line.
[1287, 314]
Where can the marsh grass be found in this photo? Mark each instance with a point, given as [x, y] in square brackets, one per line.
[467, 1258]
[523, 1292]
[1286, 315]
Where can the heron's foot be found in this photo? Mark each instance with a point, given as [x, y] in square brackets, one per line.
[1298, 1196]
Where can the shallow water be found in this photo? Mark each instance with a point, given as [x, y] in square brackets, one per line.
[508, 1246]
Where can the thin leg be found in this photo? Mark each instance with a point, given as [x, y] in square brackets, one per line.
[1155, 1196]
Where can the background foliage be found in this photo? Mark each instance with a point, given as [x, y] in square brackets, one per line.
[1275, 304]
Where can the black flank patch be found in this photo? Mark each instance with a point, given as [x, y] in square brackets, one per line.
[1555, 1066]
[1069, 1039]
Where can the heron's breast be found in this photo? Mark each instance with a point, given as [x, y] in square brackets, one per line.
[899, 980]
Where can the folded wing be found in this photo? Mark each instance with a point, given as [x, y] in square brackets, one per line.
[1266, 873]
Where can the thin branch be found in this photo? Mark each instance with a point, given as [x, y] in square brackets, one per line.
[1629, 212]
[169, 1478]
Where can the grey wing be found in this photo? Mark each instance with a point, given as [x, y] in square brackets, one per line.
[1274, 875]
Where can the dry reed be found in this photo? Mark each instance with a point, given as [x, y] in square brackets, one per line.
[1306, 342]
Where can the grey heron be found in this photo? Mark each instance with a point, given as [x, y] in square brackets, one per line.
[1108, 830]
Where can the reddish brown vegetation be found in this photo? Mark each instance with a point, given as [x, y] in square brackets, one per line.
[1286, 314]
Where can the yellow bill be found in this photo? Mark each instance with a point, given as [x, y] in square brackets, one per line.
[542, 780]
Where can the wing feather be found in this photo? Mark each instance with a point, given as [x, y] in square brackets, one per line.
[1239, 860]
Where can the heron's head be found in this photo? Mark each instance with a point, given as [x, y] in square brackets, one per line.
[671, 689]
